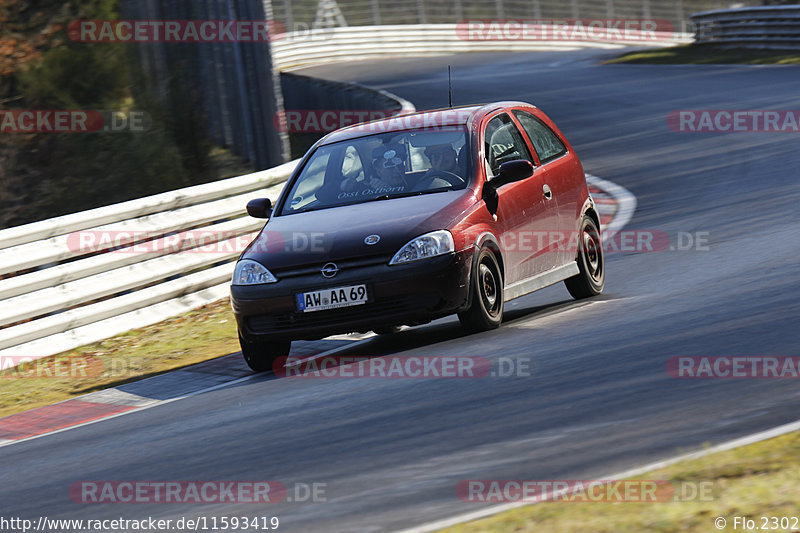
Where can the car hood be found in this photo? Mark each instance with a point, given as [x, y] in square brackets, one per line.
[339, 233]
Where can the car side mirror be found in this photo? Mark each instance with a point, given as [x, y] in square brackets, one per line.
[510, 171]
[515, 170]
[259, 208]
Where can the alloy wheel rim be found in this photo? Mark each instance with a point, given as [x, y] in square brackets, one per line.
[592, 253]
[488, 287]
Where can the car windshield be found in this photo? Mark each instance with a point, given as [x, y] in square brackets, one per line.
[379, 167]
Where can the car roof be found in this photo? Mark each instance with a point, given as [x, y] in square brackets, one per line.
[468, 115]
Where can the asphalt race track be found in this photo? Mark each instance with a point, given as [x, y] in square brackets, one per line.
[598, 399]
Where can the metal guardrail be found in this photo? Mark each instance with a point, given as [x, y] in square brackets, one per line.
[776, 27]
[327, 45]
[297, 15]
[80, 278]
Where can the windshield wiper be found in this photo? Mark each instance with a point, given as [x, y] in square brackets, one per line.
[407, 194]
[401, 195]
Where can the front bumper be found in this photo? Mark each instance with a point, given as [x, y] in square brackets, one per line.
[402, 294]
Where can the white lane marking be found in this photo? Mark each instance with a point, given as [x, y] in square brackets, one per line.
[730, 445]
[626, 202]
[293, 362]
[117, 397]
[350, 337]
[534, 322]
[163, 402]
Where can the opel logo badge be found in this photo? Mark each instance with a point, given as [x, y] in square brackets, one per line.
[330, 270]
[372, 240]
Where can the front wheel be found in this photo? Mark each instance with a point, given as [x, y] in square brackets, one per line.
[592, 276]
[388, 330]
[261, 355]
[486, 309]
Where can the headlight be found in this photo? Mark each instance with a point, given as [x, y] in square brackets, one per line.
[428, 245]
[249, 272]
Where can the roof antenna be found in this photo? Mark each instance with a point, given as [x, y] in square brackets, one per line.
[449, 86]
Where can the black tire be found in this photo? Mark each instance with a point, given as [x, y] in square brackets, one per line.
[486, 309]
[591, 262]
[261, 355]
[389, 330]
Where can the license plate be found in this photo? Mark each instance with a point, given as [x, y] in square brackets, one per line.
[332, 298]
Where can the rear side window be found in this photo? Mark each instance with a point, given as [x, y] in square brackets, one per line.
[503, 142]
[546, 143]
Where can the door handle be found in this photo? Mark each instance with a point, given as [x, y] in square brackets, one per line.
[547, 192]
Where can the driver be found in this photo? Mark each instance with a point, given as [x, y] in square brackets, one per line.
[443, 161]
[443, 158]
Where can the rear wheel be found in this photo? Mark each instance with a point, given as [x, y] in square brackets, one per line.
[261, 355]
[591, 262]
[486, 309]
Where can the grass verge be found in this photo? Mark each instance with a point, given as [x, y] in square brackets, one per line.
[692, 54]
[754, 481]
[200, 335]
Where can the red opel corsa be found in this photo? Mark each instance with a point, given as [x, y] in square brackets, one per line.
[412, 218]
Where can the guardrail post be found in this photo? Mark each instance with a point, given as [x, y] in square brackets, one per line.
[679, 13]
[376, 13]
[500, 9]
[646, 9]
[537, 9]
[287, 12]
[421, 12]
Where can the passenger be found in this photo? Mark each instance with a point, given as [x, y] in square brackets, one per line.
[387, 174]
[389, 166]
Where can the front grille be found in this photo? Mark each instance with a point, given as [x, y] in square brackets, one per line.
[335, 318]
[343, 264]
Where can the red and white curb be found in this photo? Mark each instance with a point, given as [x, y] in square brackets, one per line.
[144, 394]
[614, 204]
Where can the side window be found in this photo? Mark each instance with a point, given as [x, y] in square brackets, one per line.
[503, 142]
[546, 143]
[310, 180]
